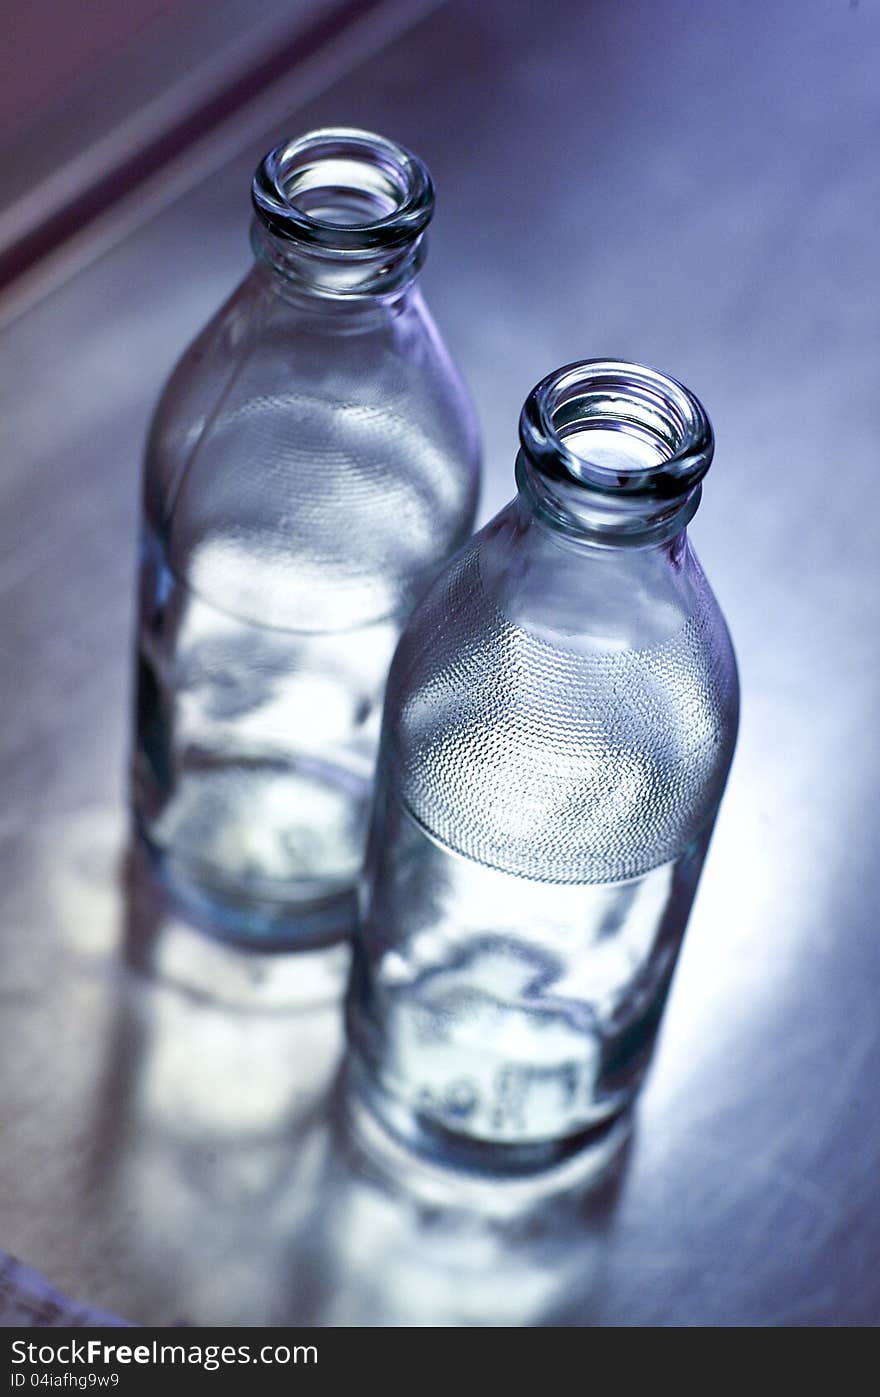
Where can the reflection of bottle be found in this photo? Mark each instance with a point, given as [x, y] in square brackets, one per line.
[206, 1144]
[454, 1249]
[312, 461]
[560, 720]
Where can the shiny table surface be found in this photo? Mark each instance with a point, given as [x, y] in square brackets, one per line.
[696, 187]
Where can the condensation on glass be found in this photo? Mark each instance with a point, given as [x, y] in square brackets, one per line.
[312, 461]
[559, 724]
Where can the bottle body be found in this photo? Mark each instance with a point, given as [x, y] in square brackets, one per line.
[312, 461]
[559, 724]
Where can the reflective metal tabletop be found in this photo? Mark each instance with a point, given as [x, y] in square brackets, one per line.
[694, 187]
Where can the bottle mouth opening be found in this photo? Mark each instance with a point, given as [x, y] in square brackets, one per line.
[344, 190]
[617, 428]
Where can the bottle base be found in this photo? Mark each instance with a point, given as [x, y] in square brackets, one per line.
[590, 1152]
[260, 919]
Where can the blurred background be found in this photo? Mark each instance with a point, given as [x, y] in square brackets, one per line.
[693, 185]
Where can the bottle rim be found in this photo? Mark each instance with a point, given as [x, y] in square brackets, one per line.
[667, 419]
[342, 189]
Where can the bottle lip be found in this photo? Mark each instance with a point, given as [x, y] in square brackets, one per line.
[341, 189]
[655, 410]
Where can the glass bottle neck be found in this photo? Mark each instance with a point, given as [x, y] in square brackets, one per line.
[612, 454]
[648, 548]
[341, 215]
[585, 519]
[310, 276]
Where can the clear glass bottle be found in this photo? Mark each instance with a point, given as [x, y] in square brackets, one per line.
[312, 461]
[559, 723]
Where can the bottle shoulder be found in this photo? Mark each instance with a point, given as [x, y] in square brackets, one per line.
[562, 753]
[587, 608]
[310, 476]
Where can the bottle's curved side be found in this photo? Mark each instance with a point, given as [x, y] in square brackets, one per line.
[190, 394]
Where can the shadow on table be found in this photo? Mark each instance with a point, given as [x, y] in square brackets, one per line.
[403, 1241]
[250, 1187]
